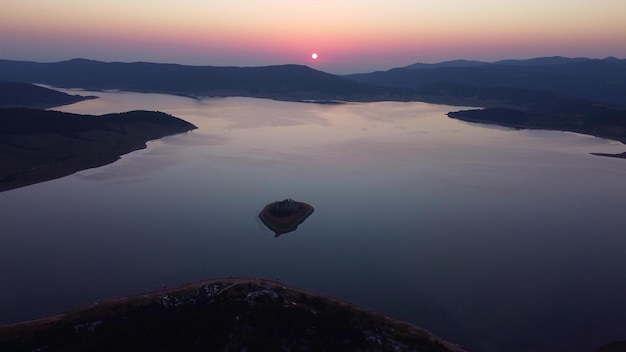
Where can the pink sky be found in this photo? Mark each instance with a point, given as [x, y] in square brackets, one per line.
[349, 35]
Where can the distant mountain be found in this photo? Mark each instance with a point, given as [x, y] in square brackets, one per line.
[40, 145]
[454, 63]
[602, 81]
[551, 60]
[15, 94]
[285, 82]
[557, 93]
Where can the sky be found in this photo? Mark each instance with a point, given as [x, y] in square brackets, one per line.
[349, 36]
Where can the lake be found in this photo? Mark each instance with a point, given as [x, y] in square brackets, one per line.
[494, 238]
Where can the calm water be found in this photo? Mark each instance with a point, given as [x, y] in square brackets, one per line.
[493, 238]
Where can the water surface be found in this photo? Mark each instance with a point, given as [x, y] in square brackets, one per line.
[494, 238]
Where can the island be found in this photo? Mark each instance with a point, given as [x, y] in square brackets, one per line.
[223, 314]
[284, 216]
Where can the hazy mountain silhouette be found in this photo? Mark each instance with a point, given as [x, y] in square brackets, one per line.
[453, 63]
[15, 94]
[602, 81]
[287, 82]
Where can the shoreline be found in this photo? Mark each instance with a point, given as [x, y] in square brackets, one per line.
[463, 116]
[44, 145]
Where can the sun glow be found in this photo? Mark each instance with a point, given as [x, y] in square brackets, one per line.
[314, 56]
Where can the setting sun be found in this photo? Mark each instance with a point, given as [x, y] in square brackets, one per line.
[314, 56]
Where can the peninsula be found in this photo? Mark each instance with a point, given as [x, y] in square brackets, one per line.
[285, 216]
[26, 95]
[588, 119]
[40, 145]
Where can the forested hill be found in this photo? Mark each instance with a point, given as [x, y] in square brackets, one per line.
[285, 82]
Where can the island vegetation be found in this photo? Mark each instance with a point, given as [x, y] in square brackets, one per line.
[285, 216]
[221, 315]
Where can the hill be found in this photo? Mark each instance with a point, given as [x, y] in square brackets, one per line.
[24, 95]
[601, 81]
[222, 315]
[283, 82]
[567, 94]
[39, 145]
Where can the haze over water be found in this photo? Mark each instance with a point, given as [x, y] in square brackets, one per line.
[493, 238]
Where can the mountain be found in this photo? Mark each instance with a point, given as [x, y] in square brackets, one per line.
[40, 145]
[16, 94]
[568, 94]
[284, 82]
[453, 63]
[601, 81]
[551, 60]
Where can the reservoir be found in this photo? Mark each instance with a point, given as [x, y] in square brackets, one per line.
[494, 238]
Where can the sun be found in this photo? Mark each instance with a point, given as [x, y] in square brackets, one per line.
[314, 56]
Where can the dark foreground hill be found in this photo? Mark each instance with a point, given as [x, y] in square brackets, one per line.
[24, 95]
[283, 82]
[40, 145]
[222, 315]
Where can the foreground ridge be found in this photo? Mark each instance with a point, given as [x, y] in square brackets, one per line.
[222, 314]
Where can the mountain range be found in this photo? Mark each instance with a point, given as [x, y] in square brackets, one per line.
[284, 82]
[602, 81]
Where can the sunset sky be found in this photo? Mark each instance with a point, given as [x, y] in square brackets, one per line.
[348, 35]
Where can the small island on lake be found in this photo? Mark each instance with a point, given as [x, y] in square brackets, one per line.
[285, 216]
